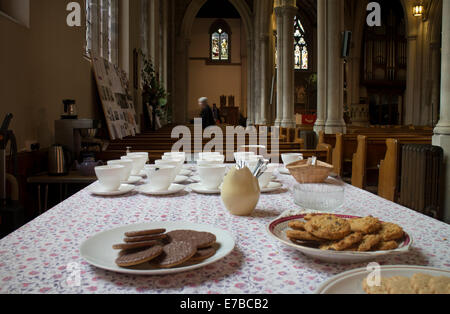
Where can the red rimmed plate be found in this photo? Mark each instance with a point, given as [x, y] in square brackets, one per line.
[278, 228]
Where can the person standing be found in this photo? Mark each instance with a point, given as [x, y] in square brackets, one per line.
[206, 113]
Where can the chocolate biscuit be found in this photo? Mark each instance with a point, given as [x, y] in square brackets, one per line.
[139, 257]
[200, 240]
[142, 233]
[145, 238]
[136, 245]
[175, 254]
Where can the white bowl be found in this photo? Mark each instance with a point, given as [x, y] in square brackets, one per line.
[211, 176]
[290, 158]
[139, 162]
[160, 177]
[128, 166]
[110, 177]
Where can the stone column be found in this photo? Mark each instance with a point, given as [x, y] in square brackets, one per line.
[442, 131]
[280, 26]
[289, 13]
[321, 65]
[264, 48]
[435, 78]
[335, 120]
[251, 85]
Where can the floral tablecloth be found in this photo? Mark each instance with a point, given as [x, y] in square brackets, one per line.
[43, 256]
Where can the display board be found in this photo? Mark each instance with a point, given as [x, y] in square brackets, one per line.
[117, 103]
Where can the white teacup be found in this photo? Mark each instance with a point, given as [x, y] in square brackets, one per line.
[140, 154]
[265, 179]
[128, 166]
[110, 176]
[178, 164]
[220, 158]
[291, 158]
[176, 155]
[243, 155]
[159, 177]
[173, 158]
[209, 162]
[208, 154]
[139, 162]
[211, 176]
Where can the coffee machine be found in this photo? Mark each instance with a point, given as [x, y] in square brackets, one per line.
[77, 135]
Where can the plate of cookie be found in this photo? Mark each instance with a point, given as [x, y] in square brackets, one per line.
[340, 238]
[389, 280]
[158, 248]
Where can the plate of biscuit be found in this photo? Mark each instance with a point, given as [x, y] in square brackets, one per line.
[389, 280]
[157, 248]
[340, 238]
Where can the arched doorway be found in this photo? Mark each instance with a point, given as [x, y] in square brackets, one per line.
[184, 109]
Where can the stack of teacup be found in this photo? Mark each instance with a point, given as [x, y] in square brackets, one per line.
[164, 173]
[251, 160]
[116, 177]
[211, 171]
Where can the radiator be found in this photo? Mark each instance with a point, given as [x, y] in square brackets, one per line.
[421, 180]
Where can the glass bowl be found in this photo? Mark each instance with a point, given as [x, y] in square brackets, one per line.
[324, 197]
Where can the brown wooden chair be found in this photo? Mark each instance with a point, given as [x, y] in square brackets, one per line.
[298, 139]
[387, 182]
[325, 147]
[284, 133]
[338, 154]
[359, 163]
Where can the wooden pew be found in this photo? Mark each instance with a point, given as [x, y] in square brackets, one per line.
[359, 163]
[338, 155]
[387, 182]
[335, 155]
[326, 147]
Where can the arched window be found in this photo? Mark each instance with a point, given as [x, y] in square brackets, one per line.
[220, 42]
[300, 46]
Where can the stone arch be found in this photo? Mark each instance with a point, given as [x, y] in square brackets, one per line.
[182, 58]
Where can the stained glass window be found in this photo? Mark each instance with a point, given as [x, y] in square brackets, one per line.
[220, 41]
[300, 46]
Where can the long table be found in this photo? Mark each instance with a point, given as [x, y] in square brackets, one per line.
[43, 255]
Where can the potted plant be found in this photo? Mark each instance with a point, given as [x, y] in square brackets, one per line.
[154, 95]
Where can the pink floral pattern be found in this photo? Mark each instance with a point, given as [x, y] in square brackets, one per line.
[39, 258]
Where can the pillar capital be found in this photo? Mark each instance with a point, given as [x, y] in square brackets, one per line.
[285, 3]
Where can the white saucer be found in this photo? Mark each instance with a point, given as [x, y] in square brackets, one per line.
[141, 174]
[180, 179]
[273, 186]
[173, 189]
[97, 189]
[198, 188]
[284, 170]
[196, 179]
[132, 180]
[186, 173]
